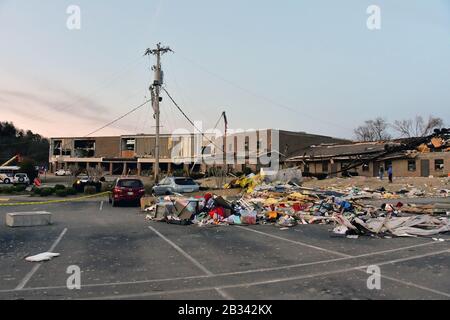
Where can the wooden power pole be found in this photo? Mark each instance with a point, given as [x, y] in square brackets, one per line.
[155, 90]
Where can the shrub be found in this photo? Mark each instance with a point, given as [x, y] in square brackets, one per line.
[60, 187]
[36, 190]
[61, 193]
[20, 188]
[90, 190]
[45, 192]
[71, 191]
[8, 190]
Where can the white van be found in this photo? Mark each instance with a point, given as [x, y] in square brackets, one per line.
[7, 174]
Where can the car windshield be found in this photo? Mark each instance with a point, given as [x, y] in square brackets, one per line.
[185, 182]
[130, 184]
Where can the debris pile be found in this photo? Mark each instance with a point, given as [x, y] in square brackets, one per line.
[280, 200]
[285, 204]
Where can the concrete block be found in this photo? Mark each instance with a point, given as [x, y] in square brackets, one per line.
[28, 219]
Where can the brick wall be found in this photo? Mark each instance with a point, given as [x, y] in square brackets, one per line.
[107, 147]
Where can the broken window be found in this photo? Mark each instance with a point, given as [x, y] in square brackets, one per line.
[130, 144]
[411, 165]
[439, 164]
[59, 149]
[84, 148]
[325, 166]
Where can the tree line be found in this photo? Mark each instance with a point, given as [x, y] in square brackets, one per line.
[27, 144]
[380, 129]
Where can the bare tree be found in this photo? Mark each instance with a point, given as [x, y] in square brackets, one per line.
[75, 169]
[363, 133]
[95, 172]
[417, 127]
[373, 130]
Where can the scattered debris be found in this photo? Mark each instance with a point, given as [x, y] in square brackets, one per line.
[46, 256]
[285, 204]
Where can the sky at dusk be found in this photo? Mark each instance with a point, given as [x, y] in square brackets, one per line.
[296, 65]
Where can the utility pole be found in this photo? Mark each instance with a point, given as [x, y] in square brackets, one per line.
[155, 90]
[225, 160]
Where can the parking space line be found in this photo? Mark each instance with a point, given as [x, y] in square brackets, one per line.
[411, 284]
[296, 242]
[236, 272]
[364, 255]
[367, 255]
[192, 259]
[29, 275]
[184, 253]
[224, 294]
[101, 206]
[272, 281]
[345, 256]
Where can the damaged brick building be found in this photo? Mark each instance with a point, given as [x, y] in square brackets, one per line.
[428, 159]
[134, 154]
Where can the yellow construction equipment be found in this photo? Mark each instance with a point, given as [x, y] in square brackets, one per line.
[11, 160]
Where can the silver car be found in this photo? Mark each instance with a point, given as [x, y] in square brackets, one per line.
[172, 185]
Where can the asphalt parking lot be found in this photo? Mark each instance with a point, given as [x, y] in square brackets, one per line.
[123, 256]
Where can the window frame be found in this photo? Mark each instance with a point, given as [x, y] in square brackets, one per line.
[436, 168]
[408, 165]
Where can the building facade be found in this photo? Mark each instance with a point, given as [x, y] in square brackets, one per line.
[134, 154]
[334, 160]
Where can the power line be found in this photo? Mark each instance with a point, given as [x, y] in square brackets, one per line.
[111, 122]
[188, 119]
[218, 121]
[104, 84]
[262, 97]
[119, 118]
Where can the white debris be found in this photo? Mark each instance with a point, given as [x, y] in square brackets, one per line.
[340, 229]
[46, 256]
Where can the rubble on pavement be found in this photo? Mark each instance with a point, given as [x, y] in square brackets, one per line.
[285, 204]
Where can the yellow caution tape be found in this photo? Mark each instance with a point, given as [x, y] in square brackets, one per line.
[53, 201]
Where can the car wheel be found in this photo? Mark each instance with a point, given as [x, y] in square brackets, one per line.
[7, 181]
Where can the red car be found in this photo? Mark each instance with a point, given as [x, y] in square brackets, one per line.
[127, 190]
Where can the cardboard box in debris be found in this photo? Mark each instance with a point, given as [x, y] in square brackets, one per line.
[285, 203]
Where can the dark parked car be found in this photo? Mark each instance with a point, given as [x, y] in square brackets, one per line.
[127, 190]
[84, 180]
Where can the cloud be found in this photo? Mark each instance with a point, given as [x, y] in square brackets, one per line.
[69, 103]
[58, 114]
